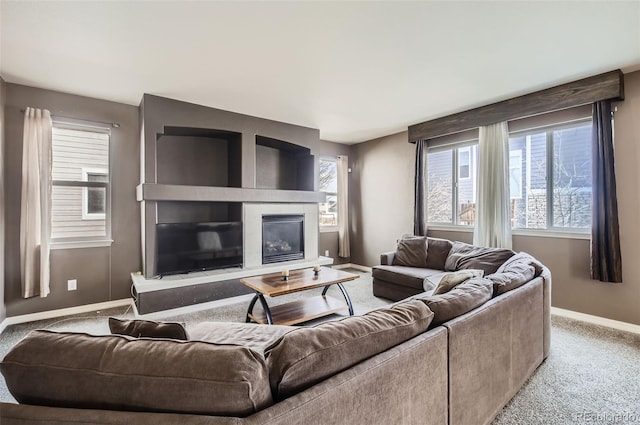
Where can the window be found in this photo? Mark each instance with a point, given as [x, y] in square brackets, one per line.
[549, 179]
[555, 166]
[451, 195]
[328, 183]
[80, 187]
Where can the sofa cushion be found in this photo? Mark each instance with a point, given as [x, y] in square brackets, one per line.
[465, 256]
[307, 356]
[463, 298]
[250, 335]
[449, 280]
[437, 252]
[147, 329]
[412, 277]
[518, 258]
[411, 252]
[517, 274]
[116, 372]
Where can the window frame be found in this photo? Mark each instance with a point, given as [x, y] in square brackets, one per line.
[455, 148]
[86, 241]
[549, 146]
[329, 227]
[550, 230]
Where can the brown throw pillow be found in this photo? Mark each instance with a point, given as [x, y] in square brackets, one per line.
[411, 252]
[307, 356]
[453, 279]
[147, 329]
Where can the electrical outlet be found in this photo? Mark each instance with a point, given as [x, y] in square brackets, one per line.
[326, 252]
[72, 284]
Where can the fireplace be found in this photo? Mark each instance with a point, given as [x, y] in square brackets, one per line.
[282, 238]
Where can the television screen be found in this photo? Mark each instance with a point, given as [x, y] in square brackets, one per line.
[187, 247]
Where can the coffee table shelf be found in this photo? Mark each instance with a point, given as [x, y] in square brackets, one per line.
[300, 311]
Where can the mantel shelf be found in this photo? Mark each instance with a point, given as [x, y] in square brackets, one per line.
[169, 192]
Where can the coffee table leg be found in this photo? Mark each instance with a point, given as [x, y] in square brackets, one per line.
[250, 309]
[265, 307]
[346, 297]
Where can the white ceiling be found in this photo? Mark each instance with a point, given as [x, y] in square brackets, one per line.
[355, 70]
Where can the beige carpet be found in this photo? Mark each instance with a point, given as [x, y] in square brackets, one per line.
[592, 375]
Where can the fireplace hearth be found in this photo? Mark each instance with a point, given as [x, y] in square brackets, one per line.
[282, 238]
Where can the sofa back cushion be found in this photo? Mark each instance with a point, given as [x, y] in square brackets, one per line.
[411, 252]
[437, 252]
[515, 274]
[147, 329]
[463, 298]
[519, 258]
[307, 356]
[465, 256]
[122, 373]
[251, 335]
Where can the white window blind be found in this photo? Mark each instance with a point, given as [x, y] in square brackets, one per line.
[80, 188]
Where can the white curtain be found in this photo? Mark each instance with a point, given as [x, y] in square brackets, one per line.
[343, 207]
[493, 211]
[35, 222]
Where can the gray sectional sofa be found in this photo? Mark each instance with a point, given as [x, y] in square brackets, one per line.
[414, 362]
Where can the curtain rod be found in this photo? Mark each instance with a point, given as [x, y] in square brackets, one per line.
[112, 124]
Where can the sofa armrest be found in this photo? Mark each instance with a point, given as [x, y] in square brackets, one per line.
[386, 259]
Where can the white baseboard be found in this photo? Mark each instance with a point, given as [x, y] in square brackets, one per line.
[353, 266]
[50, 314]
[596, 320]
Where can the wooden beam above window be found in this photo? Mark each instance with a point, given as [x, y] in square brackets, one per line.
[609, 85]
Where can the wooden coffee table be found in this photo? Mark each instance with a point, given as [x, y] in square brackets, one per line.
[274, 285]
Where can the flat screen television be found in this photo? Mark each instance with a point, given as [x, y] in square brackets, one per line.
[188, 247]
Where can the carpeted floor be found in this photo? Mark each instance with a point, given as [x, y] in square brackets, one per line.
[591, 376]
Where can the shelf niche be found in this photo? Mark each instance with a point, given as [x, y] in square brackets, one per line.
[199, 157]
[282, 165]
[198, 212]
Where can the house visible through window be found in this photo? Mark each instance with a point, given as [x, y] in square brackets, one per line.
[80, 187]
[328, 183]
[94, 202]
[464, 164]
[549, 180]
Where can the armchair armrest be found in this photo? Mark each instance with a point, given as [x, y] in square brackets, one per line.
[386, 259]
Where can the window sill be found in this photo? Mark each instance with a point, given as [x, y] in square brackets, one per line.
[81, 244]
[558, 234]
[328, 229]
[450, 228]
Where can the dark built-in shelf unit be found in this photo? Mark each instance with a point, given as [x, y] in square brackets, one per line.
[201, 164]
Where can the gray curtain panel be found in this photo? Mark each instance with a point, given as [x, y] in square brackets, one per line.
[606, 260]
[420, 208]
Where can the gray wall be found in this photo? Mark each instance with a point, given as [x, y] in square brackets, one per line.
[384, 205]
[381, 195]
[102, 273]
[3, 312]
